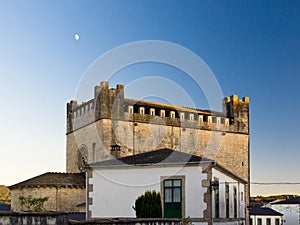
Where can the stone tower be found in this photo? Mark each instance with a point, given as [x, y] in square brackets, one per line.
[109, 122]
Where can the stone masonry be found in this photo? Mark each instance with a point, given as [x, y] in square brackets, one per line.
[61, 199]
[138, 126]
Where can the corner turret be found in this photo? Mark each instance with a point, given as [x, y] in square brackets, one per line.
[237, 110]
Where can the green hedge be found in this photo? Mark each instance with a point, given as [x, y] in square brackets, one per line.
[148, 205]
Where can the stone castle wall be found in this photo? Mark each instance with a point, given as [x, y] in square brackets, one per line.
[61, 199]
[228, 149]
[139, 126]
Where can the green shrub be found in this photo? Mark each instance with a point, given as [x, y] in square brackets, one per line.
[148, 205]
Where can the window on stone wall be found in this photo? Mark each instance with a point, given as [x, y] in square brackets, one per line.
[142, 110]
[152, 112]
[277, 222]
[82, 157]
[172, 114]
[182, 116]
[251, 221]
[130, 109]
[94, 152]
[268, 221]
[191, 116]
[214, 119]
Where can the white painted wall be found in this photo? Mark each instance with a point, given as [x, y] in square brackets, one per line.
[291, 214]
[264, 219]
[240, 195]
[115, 190]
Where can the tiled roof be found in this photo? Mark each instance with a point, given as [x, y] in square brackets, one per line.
[53, 180]
[163, 156]
[288, 201]
[264, 211]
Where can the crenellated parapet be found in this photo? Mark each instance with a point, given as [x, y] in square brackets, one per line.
[109, 103]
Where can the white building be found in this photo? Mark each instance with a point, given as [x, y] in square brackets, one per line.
[265, 216]
[195, 187]
[290, 210]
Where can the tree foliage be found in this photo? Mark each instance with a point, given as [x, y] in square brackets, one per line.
[148, 205]
[33, 204]
[5, 194]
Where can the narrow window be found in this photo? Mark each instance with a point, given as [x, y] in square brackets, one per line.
[227, 199]
[172, 114]
[130, 109]
[162, 113]
[259, 221]
[222, 121]
[235, 202]
[200, 118]
[94, 152]
[142, 110]
[191, 116]
[152, 112]
[182, 116]
[217, 202]
[82, 158]
[268, 221]
[251, 221]
[277, 221]
[214, 119]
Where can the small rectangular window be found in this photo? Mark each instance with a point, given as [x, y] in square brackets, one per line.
[268, 221]
[172, 114]
[214, 119]
[142, 110]
[130, 109]
[182, 116]
[191, 116]
[152, 112]
[277, 222]
[259, 221]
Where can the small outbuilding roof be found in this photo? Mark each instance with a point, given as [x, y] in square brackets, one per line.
[288, 201]
[53, 180]
[264, 211]
[165, 156]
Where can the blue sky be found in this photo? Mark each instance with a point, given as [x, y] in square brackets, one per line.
[253, 49]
